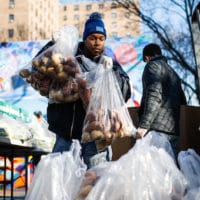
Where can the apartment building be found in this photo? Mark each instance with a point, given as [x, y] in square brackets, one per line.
[38, 19]
[119, 22]
[28, 19]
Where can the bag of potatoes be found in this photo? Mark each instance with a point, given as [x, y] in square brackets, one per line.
[54, 66]
[107, 116]
[58, 61]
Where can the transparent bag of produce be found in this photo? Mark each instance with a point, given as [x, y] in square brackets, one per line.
[107, 116]
[145, 172]
[90, 179]
[66, 91]
[58, 176]
[56, 62]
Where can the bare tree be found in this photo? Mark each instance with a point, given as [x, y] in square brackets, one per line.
[176, 39]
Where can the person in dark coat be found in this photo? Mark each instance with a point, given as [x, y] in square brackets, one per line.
[161, 98]
[66, 119]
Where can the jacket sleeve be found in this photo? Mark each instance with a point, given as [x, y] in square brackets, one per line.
[123, 80]
[152, 95]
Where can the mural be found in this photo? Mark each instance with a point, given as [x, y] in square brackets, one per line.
[15, 55]
[16, 92]
[19, 173]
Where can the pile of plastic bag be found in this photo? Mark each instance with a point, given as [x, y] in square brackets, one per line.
[58, 176]
[31, 134]
[147, 171]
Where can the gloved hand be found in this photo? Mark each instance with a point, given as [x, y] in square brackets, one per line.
[140, 133]
[106, 61]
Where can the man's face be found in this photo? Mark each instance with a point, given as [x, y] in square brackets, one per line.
[95, 43]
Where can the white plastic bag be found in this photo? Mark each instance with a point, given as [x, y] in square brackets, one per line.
[189, 163]
[107, 116]
[55, 64]
[145, 172]
[58, 176]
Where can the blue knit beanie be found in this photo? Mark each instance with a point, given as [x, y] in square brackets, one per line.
[94, 24]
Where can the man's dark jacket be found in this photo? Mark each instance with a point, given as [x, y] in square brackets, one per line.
[66, 119]
[162, 97]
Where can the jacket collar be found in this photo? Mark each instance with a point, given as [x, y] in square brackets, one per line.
[160, 57]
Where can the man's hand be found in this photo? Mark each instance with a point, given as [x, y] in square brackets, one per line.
[140, 133]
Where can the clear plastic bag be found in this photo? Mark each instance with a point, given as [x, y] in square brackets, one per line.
[55, 64]
[107, 116]
[189, 163]
[58, 176]
[145, 172]
[66, 91]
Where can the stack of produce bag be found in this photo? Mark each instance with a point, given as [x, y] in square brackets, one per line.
[58, 176]
[189, 163]
[147, 171]
[15, 131]
[42, 138]
[52, 72]
[107, 116]
[32, 134]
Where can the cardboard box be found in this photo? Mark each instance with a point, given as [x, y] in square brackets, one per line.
[189, 131]
[122, 145]
[190, 128]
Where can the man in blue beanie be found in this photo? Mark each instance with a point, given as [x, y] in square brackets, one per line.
[66, 119]
[94, 25]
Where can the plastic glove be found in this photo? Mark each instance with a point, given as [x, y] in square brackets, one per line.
[106, 61]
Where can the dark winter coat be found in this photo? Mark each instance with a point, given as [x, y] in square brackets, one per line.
[66, 119]
[162, 97]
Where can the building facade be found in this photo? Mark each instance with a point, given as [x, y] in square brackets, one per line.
[37, 20]
[28, 19]
[118, 21]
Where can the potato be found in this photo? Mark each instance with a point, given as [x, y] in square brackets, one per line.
[58, 68]
[70, 98]
[24, 73]
[107, 125]
[92, 126]
[56, 58]
[85, 191]
[107, 135]
[71, 70]
[74, 87]
[86, 137]
[91, 116]
[43, 69]
[50, 71]
[89, 179]
[45, 61]
[81, 82]
[36, 63]
[39, 75]
[116, 126]
[29, 79]
[62, 76]
[97, 135]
